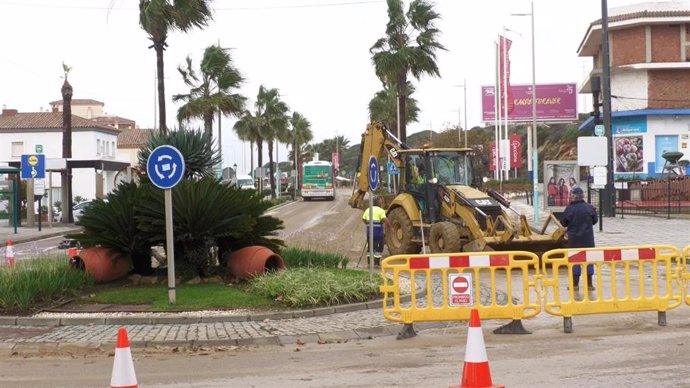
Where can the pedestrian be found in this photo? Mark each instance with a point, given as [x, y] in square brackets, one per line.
[579, 217]
[379, 220]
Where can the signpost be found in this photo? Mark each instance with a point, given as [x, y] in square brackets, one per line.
[373, 182]
[165, 167]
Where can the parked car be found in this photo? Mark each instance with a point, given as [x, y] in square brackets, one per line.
[76, 211]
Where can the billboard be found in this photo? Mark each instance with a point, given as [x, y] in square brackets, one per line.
[560, 177]
[555, 102]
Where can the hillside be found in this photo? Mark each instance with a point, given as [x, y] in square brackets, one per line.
[556, 142]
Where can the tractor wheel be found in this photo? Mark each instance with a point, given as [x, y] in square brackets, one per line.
[399, 235]
[444, 238]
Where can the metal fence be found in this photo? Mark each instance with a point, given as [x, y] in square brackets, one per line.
[656, 201]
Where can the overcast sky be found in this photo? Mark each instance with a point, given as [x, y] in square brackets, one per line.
[316, 52]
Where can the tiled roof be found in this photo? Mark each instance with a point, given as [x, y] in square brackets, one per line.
[646, 14]
[133, 138]
[44, 120]
[79, 101]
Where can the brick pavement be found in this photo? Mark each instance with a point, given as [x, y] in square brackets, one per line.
[27, 335]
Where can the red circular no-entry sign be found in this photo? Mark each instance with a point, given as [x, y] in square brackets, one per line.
[460, 285]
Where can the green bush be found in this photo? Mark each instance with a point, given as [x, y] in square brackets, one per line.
[295, 257]
[32, 283]
[314, 287]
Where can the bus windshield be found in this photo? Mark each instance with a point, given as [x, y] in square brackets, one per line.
[451, 168]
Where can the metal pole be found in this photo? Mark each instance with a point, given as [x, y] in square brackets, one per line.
[464, 88]
[169, 245]
[610, 196]
[371, 234]
[535, 147]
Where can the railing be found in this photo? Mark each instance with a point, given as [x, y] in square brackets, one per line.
[653, 200]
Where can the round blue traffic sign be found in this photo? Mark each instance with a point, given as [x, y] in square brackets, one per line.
[165, 167]
[373, 172]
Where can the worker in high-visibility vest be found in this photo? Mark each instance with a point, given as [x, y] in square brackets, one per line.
[379, 220]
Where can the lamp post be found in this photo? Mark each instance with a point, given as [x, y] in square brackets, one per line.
[535, 146]
[464, 98]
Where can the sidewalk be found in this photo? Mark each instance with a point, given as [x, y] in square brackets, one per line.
[49, 333]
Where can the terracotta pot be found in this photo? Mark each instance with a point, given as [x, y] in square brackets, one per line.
[253, 260]
[102, 264]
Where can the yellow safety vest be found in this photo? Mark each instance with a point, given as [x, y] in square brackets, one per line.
[379, 214]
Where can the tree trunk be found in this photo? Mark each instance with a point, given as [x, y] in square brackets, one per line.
[160, 73]
[208, 128]
[271, 170]
[259, 149]
[402, 92]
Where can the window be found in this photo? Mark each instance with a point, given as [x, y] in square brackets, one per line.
[17, 149]
[112, 148]
[98, 147]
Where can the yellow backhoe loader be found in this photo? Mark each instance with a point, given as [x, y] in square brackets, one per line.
[438, 203]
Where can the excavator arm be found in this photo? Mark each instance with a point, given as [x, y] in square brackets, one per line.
[376, 140]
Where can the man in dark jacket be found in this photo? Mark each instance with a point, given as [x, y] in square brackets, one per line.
[579, 217]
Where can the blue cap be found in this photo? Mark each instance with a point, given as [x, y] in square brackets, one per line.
[577, 191]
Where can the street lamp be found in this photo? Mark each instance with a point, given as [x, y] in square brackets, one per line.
[535, 146]
[464, 89]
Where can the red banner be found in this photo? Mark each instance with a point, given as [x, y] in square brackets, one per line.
[492, 157]
[515, 148]
[504, 76]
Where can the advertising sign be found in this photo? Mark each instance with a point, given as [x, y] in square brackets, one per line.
[555, 102]
[560, 177]
[509, 152]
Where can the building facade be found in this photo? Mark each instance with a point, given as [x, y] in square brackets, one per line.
[649, 59]
[95, 161]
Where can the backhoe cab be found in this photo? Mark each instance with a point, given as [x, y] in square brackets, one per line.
[438, 203]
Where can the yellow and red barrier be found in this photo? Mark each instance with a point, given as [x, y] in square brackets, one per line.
[500, 285]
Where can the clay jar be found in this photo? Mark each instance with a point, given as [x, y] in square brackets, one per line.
[253, 260]
[102, 264]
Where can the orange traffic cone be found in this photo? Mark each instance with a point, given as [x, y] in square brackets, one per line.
[9, 253]
[475, 372]
[123, 368]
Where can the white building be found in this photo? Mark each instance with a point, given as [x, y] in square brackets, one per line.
[94, 162]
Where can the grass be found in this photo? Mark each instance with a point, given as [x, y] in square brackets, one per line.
[312, 279]
[187, 297]
[312, 287]
[31, 284]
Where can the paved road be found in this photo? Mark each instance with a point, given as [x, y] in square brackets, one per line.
[26, 335]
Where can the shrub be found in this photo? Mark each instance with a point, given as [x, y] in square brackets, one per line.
[32, 283]
[313, 287]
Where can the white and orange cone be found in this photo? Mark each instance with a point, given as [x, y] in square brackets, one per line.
[9, 253]
[123, 368]
[475, 372]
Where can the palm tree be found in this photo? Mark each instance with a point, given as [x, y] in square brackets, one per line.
[384, 106]
[247, 129]
[301, 134]
[157, 18]
[409, 46]
[273, 119]
[210, 89]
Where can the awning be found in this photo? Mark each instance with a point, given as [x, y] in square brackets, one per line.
[588, 125]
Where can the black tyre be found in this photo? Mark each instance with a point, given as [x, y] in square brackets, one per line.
[399, 235]
[444, 237]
